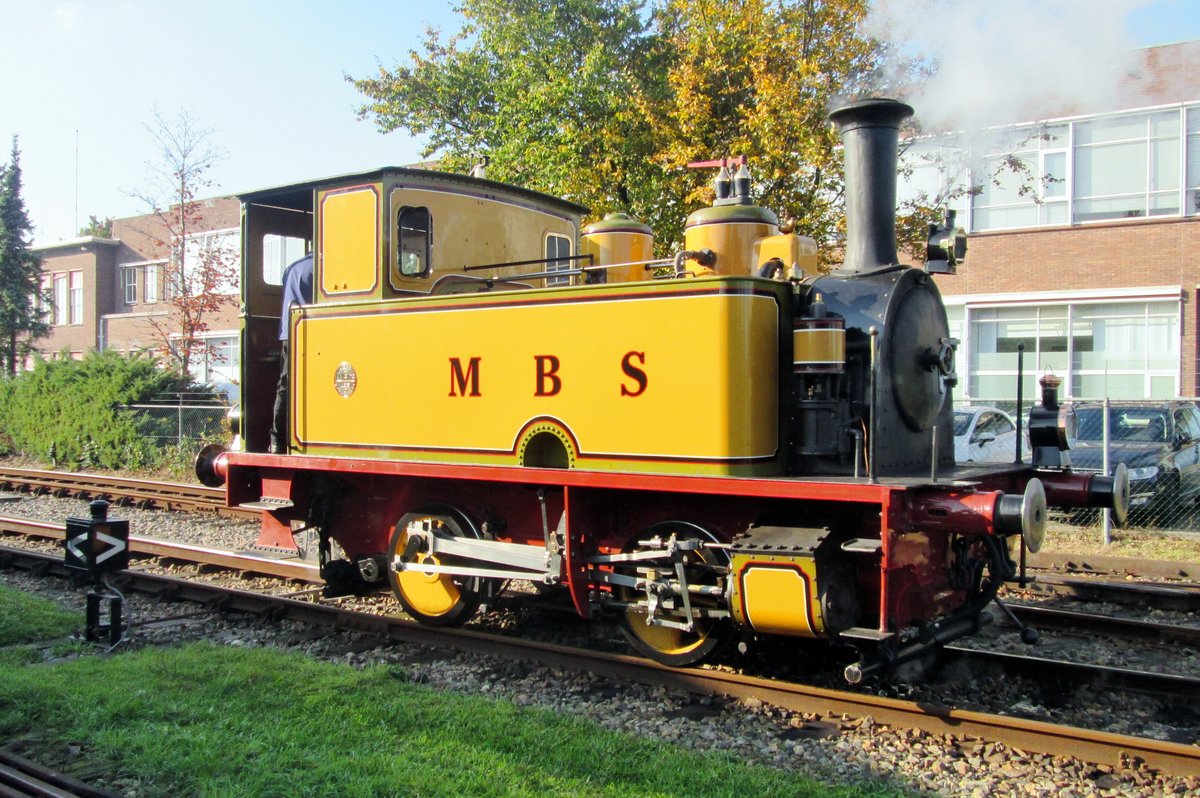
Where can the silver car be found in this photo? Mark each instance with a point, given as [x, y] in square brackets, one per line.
[985, 435]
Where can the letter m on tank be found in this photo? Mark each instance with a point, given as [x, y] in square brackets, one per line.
[464, 381]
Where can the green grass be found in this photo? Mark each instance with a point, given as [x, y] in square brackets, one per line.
[218, 721]
[28, 619]
[1130, 541]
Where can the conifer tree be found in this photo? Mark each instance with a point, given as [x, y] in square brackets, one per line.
[21, 316]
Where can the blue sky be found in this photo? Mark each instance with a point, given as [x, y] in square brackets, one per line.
[265, 75]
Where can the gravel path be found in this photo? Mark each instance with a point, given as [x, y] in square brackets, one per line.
[830, 748]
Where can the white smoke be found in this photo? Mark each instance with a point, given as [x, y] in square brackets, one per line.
[1007, 61]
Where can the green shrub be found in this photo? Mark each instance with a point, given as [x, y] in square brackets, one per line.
[70, 412]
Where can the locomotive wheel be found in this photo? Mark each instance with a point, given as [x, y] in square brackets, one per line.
[668, 645]
[434, 599]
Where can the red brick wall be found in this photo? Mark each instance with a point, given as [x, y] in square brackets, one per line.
[138, 236]
[1089, 257]
[93, 259]
[134, 241]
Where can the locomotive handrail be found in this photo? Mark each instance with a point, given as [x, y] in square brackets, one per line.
[507, 264]
[646, 264]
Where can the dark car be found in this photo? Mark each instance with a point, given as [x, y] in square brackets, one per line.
[1159, 442]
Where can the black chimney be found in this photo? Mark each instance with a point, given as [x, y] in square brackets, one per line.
[870, 131]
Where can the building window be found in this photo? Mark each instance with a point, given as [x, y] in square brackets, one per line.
[218, 364]
[1193, 161]
[61, 306]
[1115, 349]
[279, 252]
[150, 283]
[77, 297]
[129, 283]
[935, 174]
[42, 302]
[1127, 167]
[217, 248]
[1119, 166]
[558, 250]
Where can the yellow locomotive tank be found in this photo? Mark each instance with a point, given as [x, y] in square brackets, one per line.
[591, 376]
[619, 242]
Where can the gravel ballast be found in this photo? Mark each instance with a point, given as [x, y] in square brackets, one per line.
[830, 748]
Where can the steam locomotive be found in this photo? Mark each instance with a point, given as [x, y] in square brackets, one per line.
[718, 446]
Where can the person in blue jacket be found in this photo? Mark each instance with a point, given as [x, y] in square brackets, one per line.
[297, 290]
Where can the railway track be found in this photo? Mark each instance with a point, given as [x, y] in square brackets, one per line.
[192, 498]
[187, 497]
[1033, 736]
[123, 490]
[21, 778]
[1179, 597]
[184, 552]
[1096, 624]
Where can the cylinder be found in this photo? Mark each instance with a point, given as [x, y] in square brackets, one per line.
[819, 345]
[732, 232]
[618, 239]
[870, 131]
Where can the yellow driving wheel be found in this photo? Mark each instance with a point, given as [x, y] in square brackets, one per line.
[431, 598]
[671, 645]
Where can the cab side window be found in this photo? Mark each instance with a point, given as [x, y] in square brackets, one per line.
[414, 234]
[558, 253]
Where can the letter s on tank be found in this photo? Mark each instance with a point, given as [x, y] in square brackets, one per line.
[634, 373]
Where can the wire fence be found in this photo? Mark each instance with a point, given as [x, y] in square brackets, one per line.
[178, 419]
[1157, 441]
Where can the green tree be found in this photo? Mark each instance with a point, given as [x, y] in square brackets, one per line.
[21, 317]
[606, 101]
[100, 228]
[545, 89]
[75, 411]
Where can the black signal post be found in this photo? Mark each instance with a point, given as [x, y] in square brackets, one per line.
[98, 546]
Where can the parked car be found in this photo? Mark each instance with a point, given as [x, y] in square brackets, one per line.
[985, 435]
[1159, 443]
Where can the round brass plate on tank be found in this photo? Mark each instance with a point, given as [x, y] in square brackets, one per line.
[345, 379]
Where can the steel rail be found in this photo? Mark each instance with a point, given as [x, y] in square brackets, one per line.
[1183, 598]
[21, 777]
[166, 495]
[1026, 735]
[1103, 564]
[236, 561]
[1093, 624]
[1078, 673]
[1127, 679]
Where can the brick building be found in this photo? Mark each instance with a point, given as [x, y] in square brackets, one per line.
[1097, 271]
[110, 293]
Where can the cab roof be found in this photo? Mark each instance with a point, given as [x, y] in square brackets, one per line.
[298, 196]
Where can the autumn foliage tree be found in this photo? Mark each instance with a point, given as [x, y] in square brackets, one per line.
[198, 276]
[606, 101]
